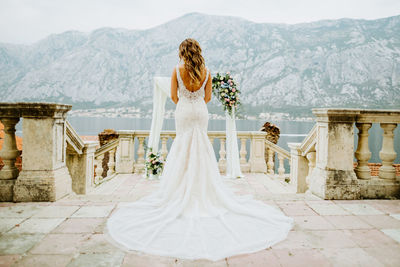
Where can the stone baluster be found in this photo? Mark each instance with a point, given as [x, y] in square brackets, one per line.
[164, 149]
[387, 153]
[311, 157]
[222, 154]
[243, 151]
[281, 167]
[270, 164]
[363, 154]
[99, 168]
[8, 154]
[111, 162]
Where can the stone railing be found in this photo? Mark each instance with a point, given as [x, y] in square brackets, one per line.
[303, 160]
[80, 160]
[105, 158]
[333, 175]
[129, 160]
[274, 151]
[44, 175]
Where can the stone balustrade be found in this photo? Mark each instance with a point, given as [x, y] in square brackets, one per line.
[129, 160]
[324, 165]
[105, 158]
[277, 154]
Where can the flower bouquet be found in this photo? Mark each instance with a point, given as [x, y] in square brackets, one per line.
[154, 163]
[224, 88]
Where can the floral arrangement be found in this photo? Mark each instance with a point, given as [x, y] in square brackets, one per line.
[224, 88]
[154, 162]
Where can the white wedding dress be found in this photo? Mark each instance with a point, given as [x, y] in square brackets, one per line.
[192, 214]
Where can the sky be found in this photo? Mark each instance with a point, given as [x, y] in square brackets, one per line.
[27, 21]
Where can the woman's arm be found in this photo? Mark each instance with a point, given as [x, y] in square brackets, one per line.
[208, 89]
[174, 87]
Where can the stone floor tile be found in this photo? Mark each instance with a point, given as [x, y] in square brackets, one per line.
[18, 243]
[387, 206]
[56, 212]
[396, 216]
[199, 263]
[144, 260]
[93, 211]
[393, 233]
[350, 257]
[8, 260]
[366, 238]
[98, 259]
[347, 222]
[8, 223]
[44, 261]
[328, 209]
[329, 239]
[37, 225]
[311, 223]
[295, 209]
[263, 257]
[381, 221]
[97, 243]
[301, 257]
[20, 211]
[361, 209]
[60, 244]
[295, 239]
[389, 256]
[79, 225]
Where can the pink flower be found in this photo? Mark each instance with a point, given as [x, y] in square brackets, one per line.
[229, 81]
[233, 90]
[227, 99]
[230, 104]
[228, 73]
[222, 82]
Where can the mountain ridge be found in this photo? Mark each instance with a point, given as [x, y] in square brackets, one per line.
[347, 62]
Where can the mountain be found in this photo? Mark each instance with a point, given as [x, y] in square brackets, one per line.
[346, 63]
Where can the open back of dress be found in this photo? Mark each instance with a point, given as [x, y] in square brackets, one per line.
[192, 214]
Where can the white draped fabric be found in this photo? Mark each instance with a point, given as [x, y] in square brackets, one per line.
[161, 90]
[232, 152]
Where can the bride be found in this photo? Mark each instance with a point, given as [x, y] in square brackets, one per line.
[192, 214]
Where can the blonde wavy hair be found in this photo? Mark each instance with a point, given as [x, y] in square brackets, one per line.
[190, 52]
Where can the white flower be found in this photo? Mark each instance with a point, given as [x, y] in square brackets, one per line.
[222, 94]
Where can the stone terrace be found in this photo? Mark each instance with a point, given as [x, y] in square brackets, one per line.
[70, 231]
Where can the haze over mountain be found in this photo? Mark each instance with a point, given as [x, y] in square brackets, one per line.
[340, 63]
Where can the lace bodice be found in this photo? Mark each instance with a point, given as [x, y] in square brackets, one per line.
[189, 95]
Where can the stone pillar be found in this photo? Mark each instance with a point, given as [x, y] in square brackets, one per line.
[334, 176]
[44, 175]
[81, 168]
[363, 154]
[257, 152]
[298, 168]
[8, 154]
[124, 158]
[387, 153]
